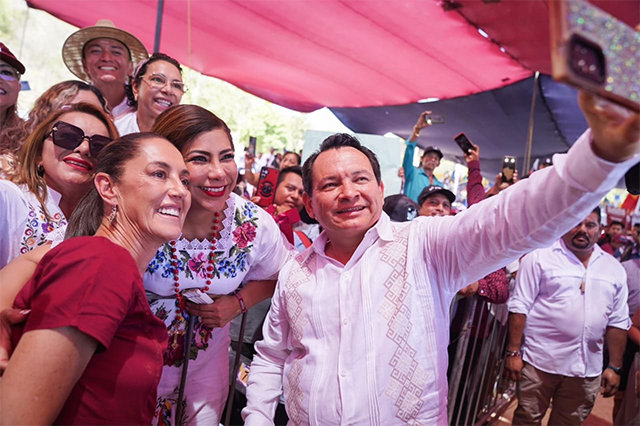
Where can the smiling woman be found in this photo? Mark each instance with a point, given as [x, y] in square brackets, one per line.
[55, 170]
[88, 308]
[156, 85]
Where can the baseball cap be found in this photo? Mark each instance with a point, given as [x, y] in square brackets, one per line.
[400, 208]
[433, 149]
[434, 189]
[10, 58]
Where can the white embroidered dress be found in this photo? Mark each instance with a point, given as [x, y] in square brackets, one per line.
[251, 247]
[23, 224]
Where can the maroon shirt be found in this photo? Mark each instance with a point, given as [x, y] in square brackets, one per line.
[94, 285]
[495, 286]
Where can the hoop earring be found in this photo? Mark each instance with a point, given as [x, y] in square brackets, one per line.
[112, 216]
[40, 170]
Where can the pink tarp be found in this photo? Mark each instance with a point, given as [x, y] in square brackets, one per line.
[306, 54]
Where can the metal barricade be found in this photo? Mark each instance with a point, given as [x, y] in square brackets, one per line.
[478, 390]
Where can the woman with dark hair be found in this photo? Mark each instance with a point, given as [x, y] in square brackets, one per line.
[56, 165]
[226, 241]
[156, 85]
[90, 351]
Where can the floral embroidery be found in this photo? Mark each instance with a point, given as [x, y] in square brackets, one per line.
[244, 235]
[225, 264]
[191, 265]
[37, 228]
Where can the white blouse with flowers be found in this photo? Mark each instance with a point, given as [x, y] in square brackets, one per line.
[251, 247]
[23, 224]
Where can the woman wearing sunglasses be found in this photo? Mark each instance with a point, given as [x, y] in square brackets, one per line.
[91, 350]
[56, 168]
[156, 86]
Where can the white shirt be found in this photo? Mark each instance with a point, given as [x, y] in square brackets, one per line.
[121, 109]
[23, 225]
[366, 343]
[565, 327]
[127, 123]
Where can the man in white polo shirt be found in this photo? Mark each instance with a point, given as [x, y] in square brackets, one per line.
[568, 300]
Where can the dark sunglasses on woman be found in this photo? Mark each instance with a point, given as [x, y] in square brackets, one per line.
[70, 137]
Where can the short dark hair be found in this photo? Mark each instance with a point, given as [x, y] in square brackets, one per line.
[293, 169]
[598, 213]
[293, 153]
[337, 141]
[616, 222]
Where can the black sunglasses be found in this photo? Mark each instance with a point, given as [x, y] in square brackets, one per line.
[70, 137]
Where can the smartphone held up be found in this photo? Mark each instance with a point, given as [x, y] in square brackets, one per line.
[593, 50]
[464, 143]
[266, 189]
[508, 169]
[434, 119]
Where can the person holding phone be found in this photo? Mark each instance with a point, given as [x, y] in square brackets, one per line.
[360, 320]
[90, 351]
[417, 178]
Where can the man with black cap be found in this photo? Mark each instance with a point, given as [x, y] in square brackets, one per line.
[435, 201]
[105, 56]
[416, 178]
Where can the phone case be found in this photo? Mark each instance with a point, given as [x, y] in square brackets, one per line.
[576, 21]
[434, 118]
[464, 143]
[508, 168]
[267, 186]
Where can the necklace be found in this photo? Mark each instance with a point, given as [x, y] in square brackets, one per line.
[178, 327]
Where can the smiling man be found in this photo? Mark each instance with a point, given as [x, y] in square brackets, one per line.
[105, 56]
[568, 299]
[358, 327]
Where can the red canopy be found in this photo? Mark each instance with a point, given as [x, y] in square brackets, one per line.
[306, 54]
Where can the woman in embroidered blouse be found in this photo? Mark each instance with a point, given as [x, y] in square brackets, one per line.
[56, 167]
[156, 85]
[226, 241]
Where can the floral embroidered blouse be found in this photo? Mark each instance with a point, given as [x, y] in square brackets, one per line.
[251, 247]
[23, 224]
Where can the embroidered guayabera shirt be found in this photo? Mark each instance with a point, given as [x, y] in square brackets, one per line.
[366, 343]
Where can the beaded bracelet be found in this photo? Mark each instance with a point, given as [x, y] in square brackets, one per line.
[243, 307]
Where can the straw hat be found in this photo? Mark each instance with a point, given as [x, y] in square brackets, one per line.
[73, 46]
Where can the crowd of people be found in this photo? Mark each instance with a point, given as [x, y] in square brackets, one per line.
[129, 242]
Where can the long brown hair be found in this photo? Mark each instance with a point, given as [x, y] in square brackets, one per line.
[181, 124]
[13, 131]
[31, 151]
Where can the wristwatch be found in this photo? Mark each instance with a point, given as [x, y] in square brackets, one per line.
[616, 370]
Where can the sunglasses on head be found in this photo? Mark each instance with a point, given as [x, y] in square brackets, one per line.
[70, 137]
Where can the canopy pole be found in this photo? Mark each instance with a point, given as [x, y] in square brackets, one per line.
[527, 151]
[156, 43]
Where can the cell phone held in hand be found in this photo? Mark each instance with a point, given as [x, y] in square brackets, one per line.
[252, 145]
[592, 50]
[434, 119]
[464, 143]
[267, 186]
[508, 169]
